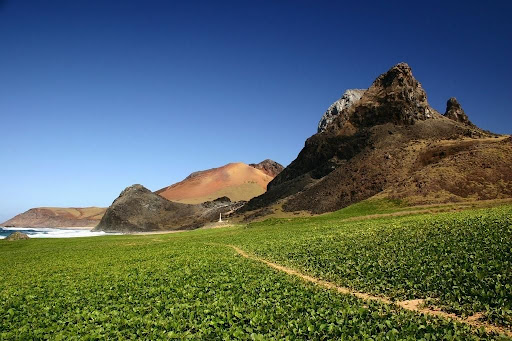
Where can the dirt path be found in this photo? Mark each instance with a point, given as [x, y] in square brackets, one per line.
[412, 305]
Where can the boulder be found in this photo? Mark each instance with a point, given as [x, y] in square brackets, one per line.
[17, 236]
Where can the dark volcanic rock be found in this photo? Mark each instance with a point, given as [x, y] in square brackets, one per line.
[17, 236]
[394, 97]
[269, 167]
[137, 209]
[379, 144]
[454, 112]
[217, 202]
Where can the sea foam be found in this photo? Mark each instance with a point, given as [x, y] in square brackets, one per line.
[51, 232]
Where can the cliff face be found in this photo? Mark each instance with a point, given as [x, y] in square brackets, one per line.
[137, 209]
[340, 107]
[391, 142]
[395, 97]
[57, 217]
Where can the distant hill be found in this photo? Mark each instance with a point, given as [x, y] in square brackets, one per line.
[197, 200]
[233, 182]
[57, 217]
[237, 181]
[387, 141]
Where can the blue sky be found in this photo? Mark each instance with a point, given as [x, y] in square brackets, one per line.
[98, 95]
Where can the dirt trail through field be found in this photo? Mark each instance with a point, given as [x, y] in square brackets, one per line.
[412, 305]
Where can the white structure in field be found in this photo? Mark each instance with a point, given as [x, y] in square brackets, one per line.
[220, 217]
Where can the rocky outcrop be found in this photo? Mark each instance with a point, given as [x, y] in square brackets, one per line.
[269, 167]
[394, 97]
[348, 98]
[17, 236]
[137, 209]
[454, 112]
[217, 202]
[60, 217]
[392, 141]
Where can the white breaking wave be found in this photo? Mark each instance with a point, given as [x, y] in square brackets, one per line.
[55, 233]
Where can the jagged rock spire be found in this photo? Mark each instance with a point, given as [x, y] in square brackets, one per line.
[397, 97]
[454, 112]
[394, 97]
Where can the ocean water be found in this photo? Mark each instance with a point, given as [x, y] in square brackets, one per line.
[50, 232]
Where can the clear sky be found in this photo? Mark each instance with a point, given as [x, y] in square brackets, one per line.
[98, 95]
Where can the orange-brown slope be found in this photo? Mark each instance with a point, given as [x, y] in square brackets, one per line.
[57, 217]
[237, 181]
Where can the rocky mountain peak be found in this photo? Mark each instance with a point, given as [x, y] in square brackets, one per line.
[390, 141]
[348, 98]
[398, 75]
[454, 112]
[394, 97]
[134, 189]
[269, 167]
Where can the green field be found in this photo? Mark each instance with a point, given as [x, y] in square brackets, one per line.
[192, 285]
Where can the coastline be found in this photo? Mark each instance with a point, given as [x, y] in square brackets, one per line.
[52, 232]
[49, 227]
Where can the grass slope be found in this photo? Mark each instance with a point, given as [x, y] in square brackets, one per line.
[190, 285]
[463, 261]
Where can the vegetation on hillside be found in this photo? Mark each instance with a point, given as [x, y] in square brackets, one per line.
[461, 261]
